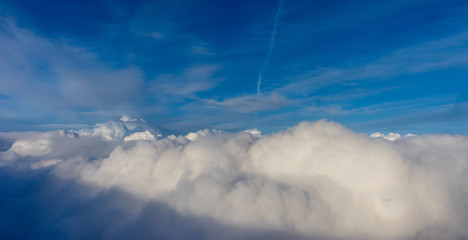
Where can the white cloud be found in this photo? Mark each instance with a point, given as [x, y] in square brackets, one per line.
[128, 129]
[389, 136]
[32, 148]
[314, 179]
[45, 163]
[192, 136]
[127, 118]
[146, 135]
[254, 132]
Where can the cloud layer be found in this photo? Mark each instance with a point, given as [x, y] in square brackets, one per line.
[316, 180]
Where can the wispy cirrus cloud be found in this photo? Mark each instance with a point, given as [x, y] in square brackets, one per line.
[431, 56]
[187, 83]
[52, 74]
[250, 103]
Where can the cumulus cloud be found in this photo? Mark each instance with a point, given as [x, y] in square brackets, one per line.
[31, 148]
[126, 129]
[316, 180]
[389, 136]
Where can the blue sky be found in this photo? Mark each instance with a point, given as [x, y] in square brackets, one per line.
[385, 66]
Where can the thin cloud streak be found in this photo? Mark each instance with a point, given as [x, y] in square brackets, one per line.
[270, 48]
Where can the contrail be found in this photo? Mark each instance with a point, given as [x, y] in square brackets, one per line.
[270, 48]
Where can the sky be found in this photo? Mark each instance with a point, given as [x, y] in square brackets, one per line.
[387, 66]
[234, 120]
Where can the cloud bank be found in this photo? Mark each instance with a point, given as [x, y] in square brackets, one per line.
[317, 180]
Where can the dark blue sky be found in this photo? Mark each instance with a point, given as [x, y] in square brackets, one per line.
[385, 66]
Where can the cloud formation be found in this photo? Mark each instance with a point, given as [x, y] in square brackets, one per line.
[316, 180]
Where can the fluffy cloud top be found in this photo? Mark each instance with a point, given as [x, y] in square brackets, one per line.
[126, 129]
[316, 180]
